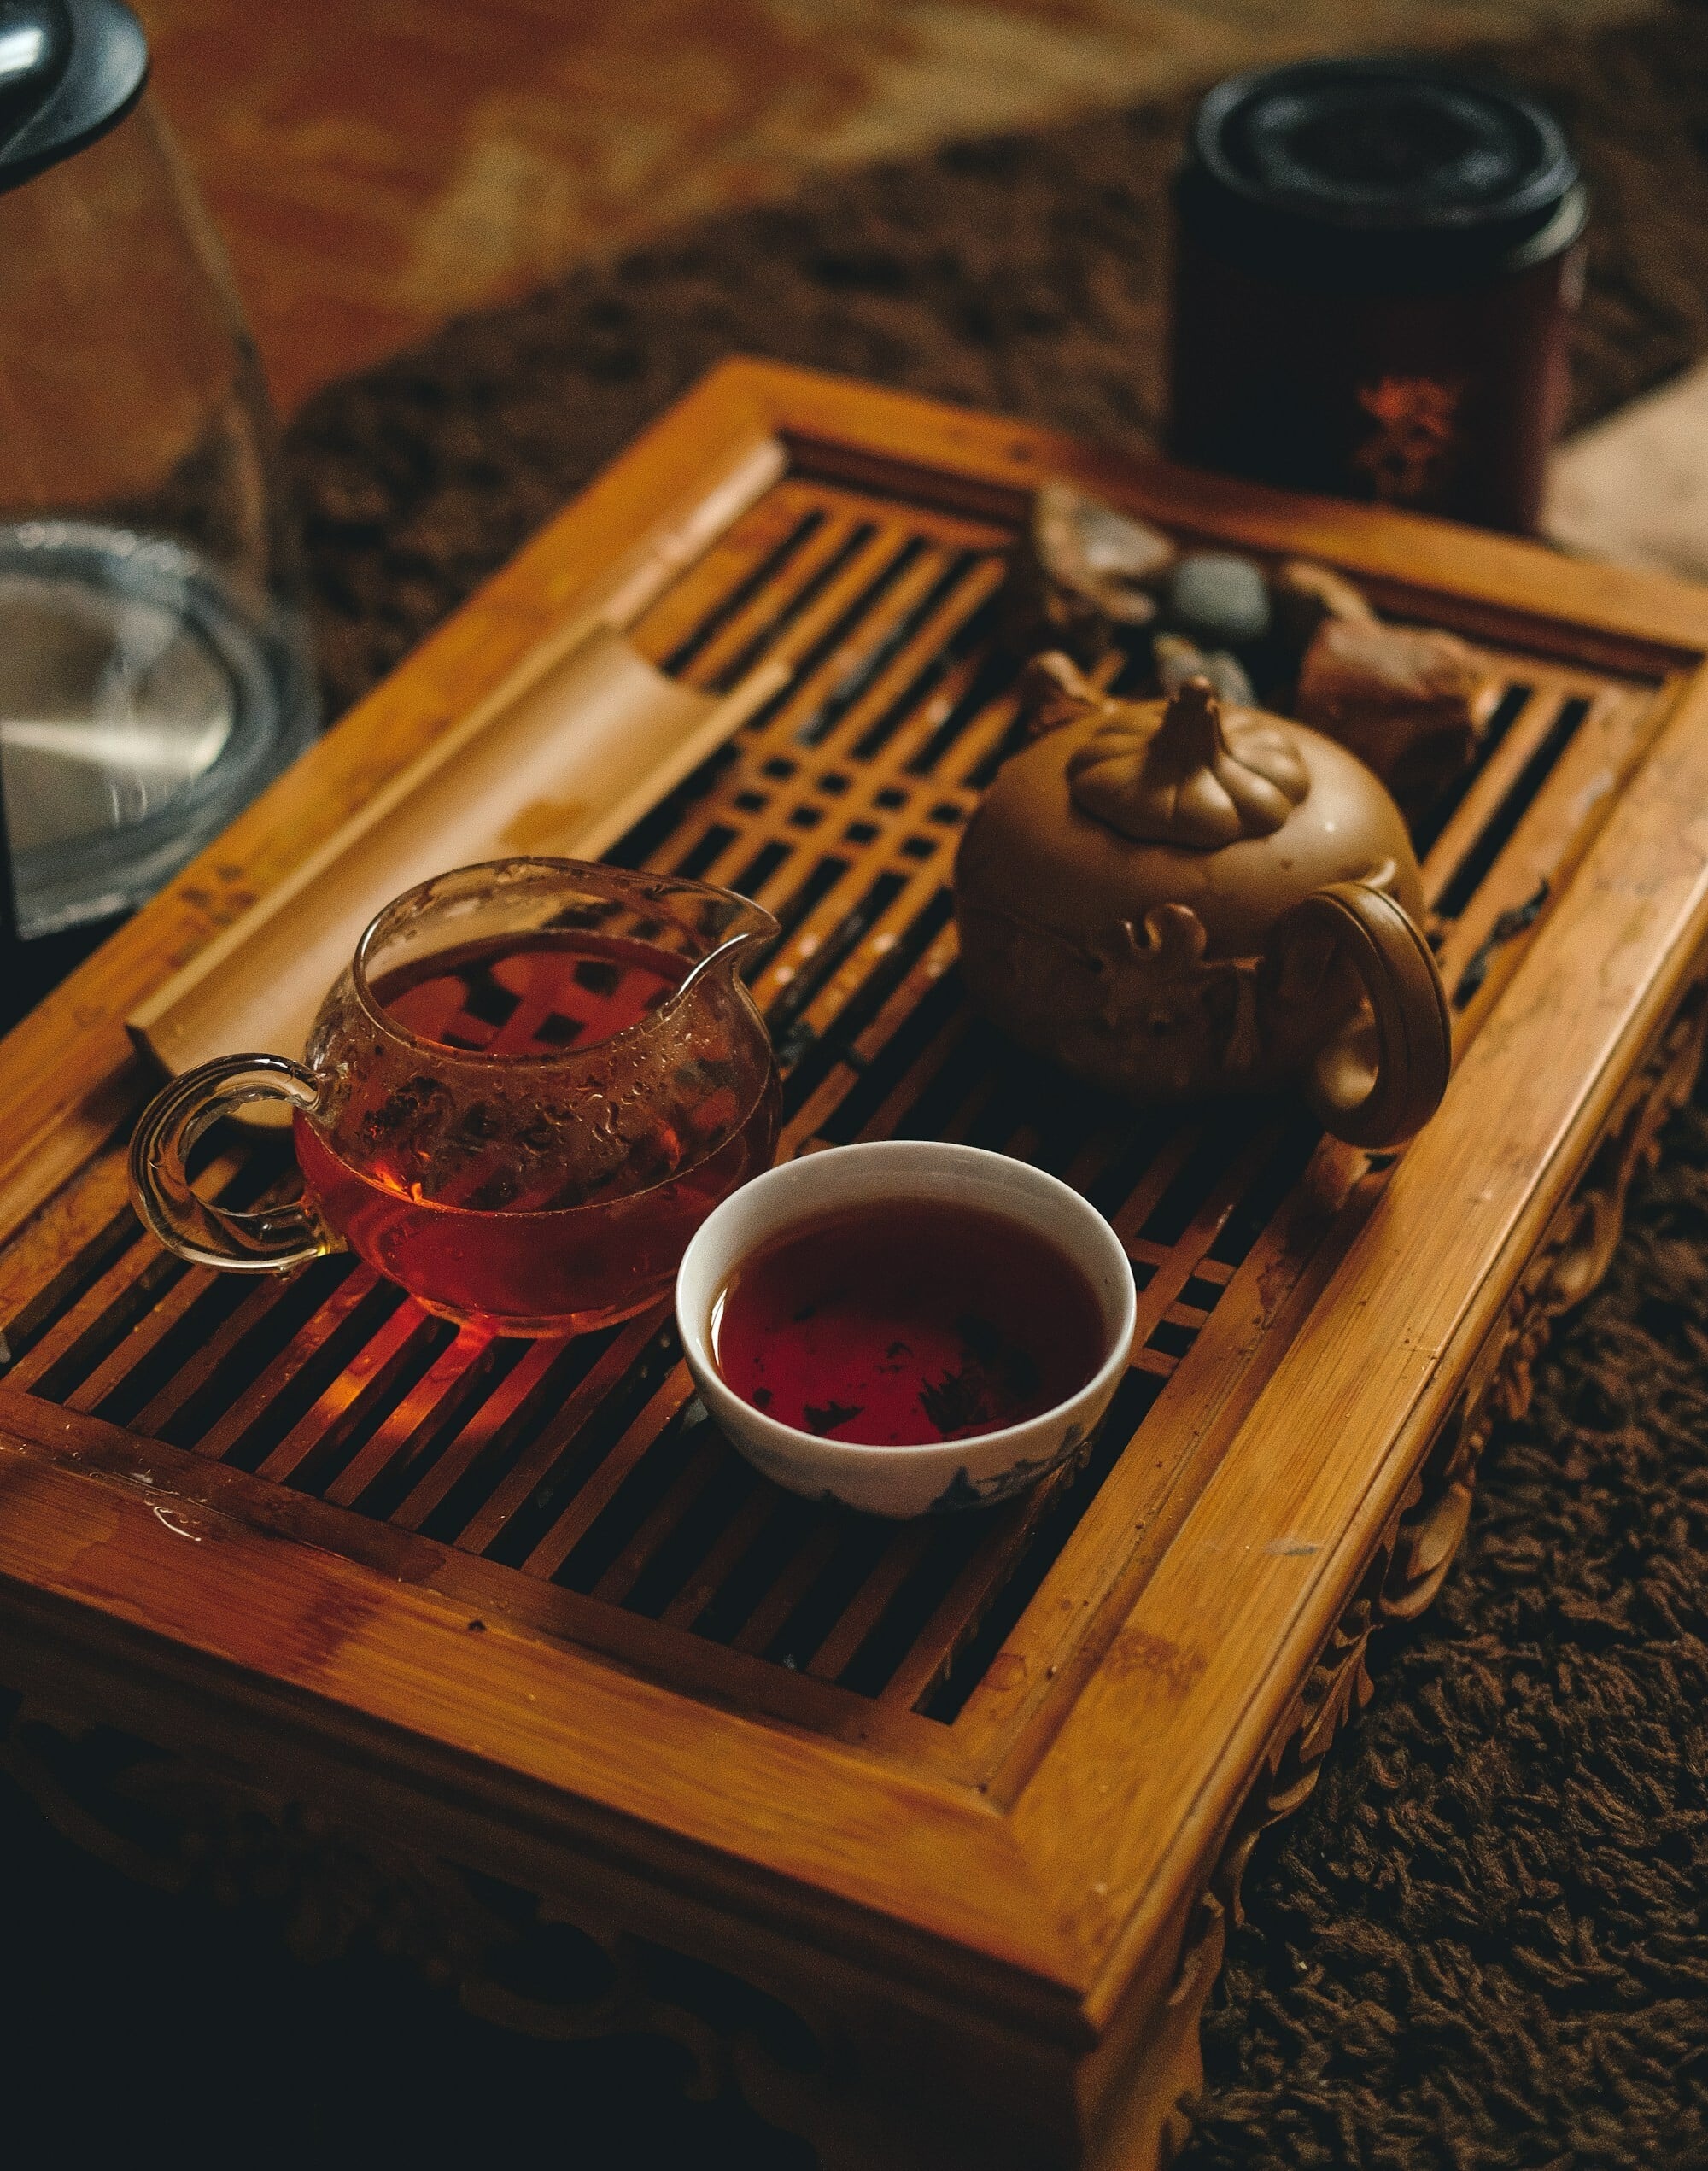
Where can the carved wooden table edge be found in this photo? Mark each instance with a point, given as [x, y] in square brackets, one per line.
[1082, 2051]
[1411, 1558]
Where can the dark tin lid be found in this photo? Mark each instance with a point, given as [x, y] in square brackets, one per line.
[69, 69]
[1389, 174]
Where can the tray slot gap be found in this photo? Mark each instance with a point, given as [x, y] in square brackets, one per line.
[923, 1040]
[359, 1396]
[661, 1415]
[158, 1349]
[1507, 708]
[682, 1547]
[475, 1459]
[85, 1334]
[1264, 1200]
[813, 1057]
[792, 1576]
[57, 1297]
[707, 1583]
[774, 1527]
[930, 696]
[412, 1434]
[856, 1544]
[761, 869]
[687, 651]
[1474, 868]
[909, 1545]
[991, 681]
[935, 1084]
[775, 612]
[316, 1353]
[1133, 1403]
[863, 671]
[620, 1374]
[794, 1001]
[708, 848]
[849, 585]
[951, 1543]
[264, 1319]
[827, 873]
[665, 1486]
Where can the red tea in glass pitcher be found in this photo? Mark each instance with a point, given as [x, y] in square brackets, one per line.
[534, 1082]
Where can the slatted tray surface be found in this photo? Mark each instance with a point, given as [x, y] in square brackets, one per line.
[580, 1486]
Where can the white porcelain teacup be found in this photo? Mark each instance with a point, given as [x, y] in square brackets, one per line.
[910, 1480]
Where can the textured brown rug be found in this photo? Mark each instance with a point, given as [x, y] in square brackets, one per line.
[1482, 1943]
[1026, 274]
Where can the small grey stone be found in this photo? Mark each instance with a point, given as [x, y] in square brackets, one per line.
[1219, 598]
[1227, 674]
[1178, 660]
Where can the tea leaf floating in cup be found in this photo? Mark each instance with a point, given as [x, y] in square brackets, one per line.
[906, 1327]
[896, 1324]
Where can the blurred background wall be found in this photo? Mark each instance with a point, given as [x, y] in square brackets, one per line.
[378, 166]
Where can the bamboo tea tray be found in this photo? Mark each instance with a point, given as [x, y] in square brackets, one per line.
[925, 1837]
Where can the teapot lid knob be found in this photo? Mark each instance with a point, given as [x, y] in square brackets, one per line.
[1191, 776]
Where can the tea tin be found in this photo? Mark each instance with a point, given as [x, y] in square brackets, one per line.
[1376, 264]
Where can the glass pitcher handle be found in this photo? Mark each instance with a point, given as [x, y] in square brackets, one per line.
[269, 1240]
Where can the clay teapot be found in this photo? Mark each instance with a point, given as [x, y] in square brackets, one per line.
[1179, 897]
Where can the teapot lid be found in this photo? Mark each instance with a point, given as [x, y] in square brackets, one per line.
[1189, 777]
[69, 71]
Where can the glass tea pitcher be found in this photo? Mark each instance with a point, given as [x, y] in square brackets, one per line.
[154, 666]
[533, 1083]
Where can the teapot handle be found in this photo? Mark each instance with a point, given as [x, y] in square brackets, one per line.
[1376, 1095]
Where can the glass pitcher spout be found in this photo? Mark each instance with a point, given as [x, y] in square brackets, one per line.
[745, 924]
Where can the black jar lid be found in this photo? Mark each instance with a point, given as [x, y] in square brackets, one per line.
[1389, 173]
[69, 71]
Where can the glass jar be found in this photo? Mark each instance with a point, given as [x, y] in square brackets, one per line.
[155, 669]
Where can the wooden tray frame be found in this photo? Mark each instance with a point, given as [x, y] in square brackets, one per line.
[942, 1966]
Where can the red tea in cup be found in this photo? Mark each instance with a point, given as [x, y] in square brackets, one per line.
[905, 1323]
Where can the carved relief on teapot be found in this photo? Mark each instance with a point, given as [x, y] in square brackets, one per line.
[1178, 897]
